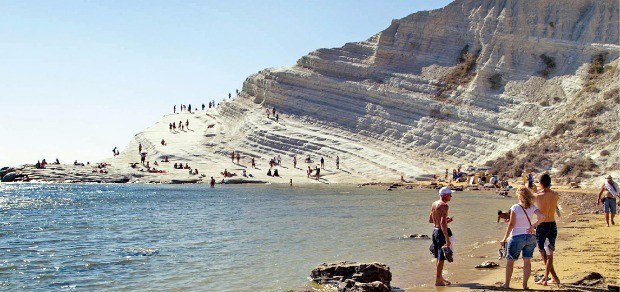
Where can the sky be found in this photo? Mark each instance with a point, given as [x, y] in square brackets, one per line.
[78, 78]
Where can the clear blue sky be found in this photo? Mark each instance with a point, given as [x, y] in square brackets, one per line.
[78, 78]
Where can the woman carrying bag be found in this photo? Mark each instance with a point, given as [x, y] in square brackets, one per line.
[521, 231]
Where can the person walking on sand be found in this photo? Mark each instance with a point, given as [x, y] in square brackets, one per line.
[187, 124]
[174, 109]
[520, 229]
[337, 162]
[232, 156]
[442, 245]
[610, 189]
[139, 147]
[253, 163]
[322, 162]
[546, 201]
[238, 157]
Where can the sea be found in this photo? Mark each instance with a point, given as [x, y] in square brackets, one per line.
[231, 237]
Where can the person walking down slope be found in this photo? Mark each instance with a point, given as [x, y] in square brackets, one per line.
[611, 191]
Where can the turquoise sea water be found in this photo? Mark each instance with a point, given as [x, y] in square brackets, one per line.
[230, 238]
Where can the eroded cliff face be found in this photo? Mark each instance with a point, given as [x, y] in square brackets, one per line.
[465, 83]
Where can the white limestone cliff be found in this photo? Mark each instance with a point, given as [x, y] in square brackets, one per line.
[391, 106]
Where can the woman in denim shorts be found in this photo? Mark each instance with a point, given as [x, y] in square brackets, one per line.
[521, 229]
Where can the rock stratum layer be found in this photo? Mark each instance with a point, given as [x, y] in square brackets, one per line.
[475, 81]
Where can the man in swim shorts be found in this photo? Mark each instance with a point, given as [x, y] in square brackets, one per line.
[441, 234]
[611, 191]
[547, 203]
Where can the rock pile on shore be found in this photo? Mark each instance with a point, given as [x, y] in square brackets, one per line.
[354, 277]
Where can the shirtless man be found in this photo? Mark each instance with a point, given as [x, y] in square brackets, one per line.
[547, 203]
[441, 233]
[610, 189]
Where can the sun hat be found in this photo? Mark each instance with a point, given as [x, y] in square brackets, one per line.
[609, 177]
[445, 191]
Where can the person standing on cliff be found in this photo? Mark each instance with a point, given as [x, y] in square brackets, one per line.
[547, 203]
[610, 189]
[442, 245]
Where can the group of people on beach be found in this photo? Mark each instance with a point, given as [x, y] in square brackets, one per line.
[523, 234]
[531, 226]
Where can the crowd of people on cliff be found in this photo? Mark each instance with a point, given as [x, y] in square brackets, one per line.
[188, 107]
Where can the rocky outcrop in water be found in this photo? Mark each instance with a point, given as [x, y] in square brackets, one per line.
[351, 276]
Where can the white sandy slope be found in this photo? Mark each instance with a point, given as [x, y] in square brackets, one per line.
[245, 128]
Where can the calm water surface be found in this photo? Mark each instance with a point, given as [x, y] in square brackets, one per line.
[230, 238]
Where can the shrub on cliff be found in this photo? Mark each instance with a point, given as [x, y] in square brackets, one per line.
[549, 65]
[496, 81]
[577, 166]
[595, 110]
[461, 74]
[597, 65]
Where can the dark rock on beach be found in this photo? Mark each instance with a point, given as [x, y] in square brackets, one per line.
[352, 286]
[420, 236]
[590, 279]
[487, 265]
[351, 276]
[12, 176]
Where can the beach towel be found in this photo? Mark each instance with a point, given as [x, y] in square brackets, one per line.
[612, 188]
